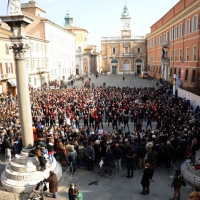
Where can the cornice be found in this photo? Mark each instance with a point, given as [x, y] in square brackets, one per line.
[174, 20]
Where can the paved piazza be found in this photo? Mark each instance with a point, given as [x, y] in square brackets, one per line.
[96, 187]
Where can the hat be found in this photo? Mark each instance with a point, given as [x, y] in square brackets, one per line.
[72, 184]
[154, 136]
[168, 142]
[72, 146]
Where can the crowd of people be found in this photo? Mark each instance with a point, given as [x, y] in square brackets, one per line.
[70, 125]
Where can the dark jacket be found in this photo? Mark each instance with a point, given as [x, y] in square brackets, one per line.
[152, 157]
[169, 151]
[177, 181]
[130, 160]
[89, 152]
[70, 193]
[141, 152]
[7, 144]
[117, 152]
[53, 183]
[147, 176]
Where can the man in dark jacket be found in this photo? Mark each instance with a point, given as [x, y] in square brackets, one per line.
[7, 147]
[152, 158]
[117, 152]
[141, 155]
[53, 183]
[169, 153]
[146, 178]
[90, 156]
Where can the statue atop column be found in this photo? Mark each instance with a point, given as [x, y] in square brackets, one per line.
[15, 7]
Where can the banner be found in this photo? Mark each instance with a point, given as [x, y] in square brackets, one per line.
[182, 71]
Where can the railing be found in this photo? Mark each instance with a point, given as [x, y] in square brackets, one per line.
[166, 44]
[6, 76]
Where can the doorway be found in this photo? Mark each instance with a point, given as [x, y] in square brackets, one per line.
[114, 69]
[138, 69]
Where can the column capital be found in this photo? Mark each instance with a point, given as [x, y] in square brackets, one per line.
[19, 50]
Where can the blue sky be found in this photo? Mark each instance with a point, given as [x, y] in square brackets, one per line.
[102, 17]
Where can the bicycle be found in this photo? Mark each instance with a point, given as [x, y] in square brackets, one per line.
[108, 169]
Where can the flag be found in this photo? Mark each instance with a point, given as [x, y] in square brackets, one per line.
[163, 53]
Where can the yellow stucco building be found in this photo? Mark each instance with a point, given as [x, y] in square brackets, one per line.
[125, 54]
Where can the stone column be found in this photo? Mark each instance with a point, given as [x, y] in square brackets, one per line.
[23, 97]
[19, 44]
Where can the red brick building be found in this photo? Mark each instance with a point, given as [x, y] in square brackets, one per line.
[173, 44]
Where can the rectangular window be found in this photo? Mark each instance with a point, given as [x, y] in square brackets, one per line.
[175, 55]
[114, 50]
[7, 49]
[170, 72]
[11, 67]
[180, 54]
[175, 70]
[167, 36]
[175, 32]
[195, 23]
[186, 74]
[126, 50]
[187, 54]
[138, 50]
[193, 76]
[166, 53]
[180, 30]
[194, 53]
[171, 56]
[1, 68]
[187, 27]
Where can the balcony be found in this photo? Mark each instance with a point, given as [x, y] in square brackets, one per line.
[166, 44]
[6, 76]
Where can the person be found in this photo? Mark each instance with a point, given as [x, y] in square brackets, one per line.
[146, 178]
[71, 191]
[90, 156]
[7, 146]
[152, 158]
[177, 182]
[77, 195]
[123, 78]
[130, 162]
[117, 152]
[193, 150]
[41, 158]
[194, 196]
[73, 155]
[53, 183]
[169, 153]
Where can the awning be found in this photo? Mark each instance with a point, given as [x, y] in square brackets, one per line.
[12, 82]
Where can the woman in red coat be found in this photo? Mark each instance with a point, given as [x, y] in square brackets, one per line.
[53, 183]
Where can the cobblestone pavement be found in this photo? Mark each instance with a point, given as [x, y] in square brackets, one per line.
[96, 187]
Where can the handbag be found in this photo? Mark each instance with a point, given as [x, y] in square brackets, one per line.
[183, 183]
[45, 187]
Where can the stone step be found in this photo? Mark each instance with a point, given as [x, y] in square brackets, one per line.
[192, 178]
[17, 167]
[192, 168]
[23, 159]
[25, 182]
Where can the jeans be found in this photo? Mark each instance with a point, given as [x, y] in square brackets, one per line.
[82, 162]
[74, 166]
[51, 158]
[118, 163]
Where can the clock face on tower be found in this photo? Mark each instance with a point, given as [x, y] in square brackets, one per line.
[126, 25]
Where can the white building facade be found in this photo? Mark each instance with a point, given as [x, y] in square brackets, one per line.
[61, 51]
